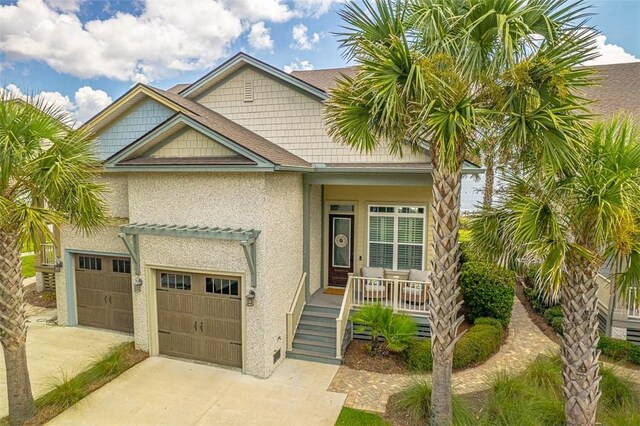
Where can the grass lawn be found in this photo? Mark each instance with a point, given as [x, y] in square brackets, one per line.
[28, 266]
[353, 417]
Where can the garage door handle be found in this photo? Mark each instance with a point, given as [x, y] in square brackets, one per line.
[200, 325]
[195, 326]
[105, 298]
[110, 302]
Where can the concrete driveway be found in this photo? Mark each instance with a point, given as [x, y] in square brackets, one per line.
[168, 391]
[53, 351]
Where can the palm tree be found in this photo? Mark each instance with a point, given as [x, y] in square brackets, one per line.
[571, 223]
[47, 172]
[432, 74]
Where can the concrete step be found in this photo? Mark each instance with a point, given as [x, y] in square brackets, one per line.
[319, 336]
[320, 348]
[313, 357]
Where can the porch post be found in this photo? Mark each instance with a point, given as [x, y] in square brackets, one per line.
[306, 238]
[611, 308]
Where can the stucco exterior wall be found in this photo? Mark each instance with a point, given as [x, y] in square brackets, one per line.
[363, 196]
[287, 117]
[269, 202]
[315, 231]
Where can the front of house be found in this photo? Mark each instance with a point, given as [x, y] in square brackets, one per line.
[230, 206]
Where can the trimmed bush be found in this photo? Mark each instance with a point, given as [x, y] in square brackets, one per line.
[552, 313]
[418, 356]
[478, 343]
[488, 291]
[619, 350]
[557, 324]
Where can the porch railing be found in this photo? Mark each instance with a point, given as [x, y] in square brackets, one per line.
[295, 311]
[48, 254]
[634, 305]
[410, 297]
[343, 318]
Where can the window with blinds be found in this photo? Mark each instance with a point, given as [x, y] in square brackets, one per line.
[396, 237]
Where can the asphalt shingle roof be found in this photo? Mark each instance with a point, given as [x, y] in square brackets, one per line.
[324, 79]
[618, 89]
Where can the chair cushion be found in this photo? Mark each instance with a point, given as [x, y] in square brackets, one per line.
[418, 275]
[371, 272]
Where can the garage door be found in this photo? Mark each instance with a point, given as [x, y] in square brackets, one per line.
[199, 317]
[103, 291]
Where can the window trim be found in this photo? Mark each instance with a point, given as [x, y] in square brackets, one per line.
[396, 215]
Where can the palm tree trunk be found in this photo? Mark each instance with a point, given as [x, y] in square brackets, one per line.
[489, 178]
[579, 353]
[444, 304]
[13, 330]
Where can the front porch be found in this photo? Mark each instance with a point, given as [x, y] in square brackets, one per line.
[619, 314]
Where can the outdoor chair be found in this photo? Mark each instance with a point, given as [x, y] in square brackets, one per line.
[374, 287]
[417, 291]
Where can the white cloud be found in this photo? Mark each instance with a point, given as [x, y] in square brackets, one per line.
[298, 66]
[610, 53]
[87, 101]
[260, 37]
[162, 39]
[302, 40]
[315, 7]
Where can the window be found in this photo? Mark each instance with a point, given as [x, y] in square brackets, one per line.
[396, 237]
[121, 266]
[90, 263]
[222, 285]
[175, 281]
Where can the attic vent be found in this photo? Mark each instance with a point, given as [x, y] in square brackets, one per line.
[248, 91]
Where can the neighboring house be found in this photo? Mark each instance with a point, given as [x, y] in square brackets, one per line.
[231, 207]
[618, 92]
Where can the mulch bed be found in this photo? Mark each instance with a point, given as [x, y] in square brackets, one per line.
[44, 299]
[358, 358]
[535, 316]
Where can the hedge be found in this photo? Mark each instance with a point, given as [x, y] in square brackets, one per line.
[619, 350]
[488, 291]
[481, 341]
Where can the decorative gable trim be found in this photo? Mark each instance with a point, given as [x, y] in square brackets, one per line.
[160, 132]
[236, 62]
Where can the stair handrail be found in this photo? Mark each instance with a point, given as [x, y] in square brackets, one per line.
[343, 318]
[295, 311]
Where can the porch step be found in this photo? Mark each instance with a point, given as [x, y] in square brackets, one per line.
[313, 356]
[318, 336]
[314, 346]
[310, 307]
[307, 324]
[323, 317]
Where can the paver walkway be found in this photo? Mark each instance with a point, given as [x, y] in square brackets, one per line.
[370, 391]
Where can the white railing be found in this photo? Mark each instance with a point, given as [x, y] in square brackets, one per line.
[410, 297]
[295, 311]
[48, 254]
[343, 318]
[634, 304]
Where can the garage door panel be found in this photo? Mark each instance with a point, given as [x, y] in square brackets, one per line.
[219, 307]
[223, 329]
[104, 297]
[174, 302]
[221, 352]
[208, 326]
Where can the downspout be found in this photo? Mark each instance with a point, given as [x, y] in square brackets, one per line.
[306, 241]
[322, 242]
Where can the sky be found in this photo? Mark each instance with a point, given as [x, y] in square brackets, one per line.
[83, 54]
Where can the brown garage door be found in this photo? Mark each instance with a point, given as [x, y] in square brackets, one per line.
[199, 317]
[103, 290]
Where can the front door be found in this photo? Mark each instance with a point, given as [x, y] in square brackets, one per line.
[340, 249]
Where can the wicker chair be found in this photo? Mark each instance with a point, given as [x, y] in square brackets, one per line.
[374, 287]
[417, 292]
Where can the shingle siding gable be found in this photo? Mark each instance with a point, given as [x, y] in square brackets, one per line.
[135, 123]
[287, 117]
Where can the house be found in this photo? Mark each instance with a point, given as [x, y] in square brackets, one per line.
[237, 222]
[617, 92]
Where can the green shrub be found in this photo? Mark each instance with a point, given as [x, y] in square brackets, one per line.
[352, 417]
[619, 350]
[488, 291]
[481, 341]
[488, 321]
[416, 401]
[552, 313]
[617, 392]
[557, 324]
[418, 356]
[398, 330]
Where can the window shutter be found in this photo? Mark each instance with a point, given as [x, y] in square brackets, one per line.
[410, 230]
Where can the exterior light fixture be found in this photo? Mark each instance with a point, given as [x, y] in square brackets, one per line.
[58, 263]
[137, 283]
[251, 296]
